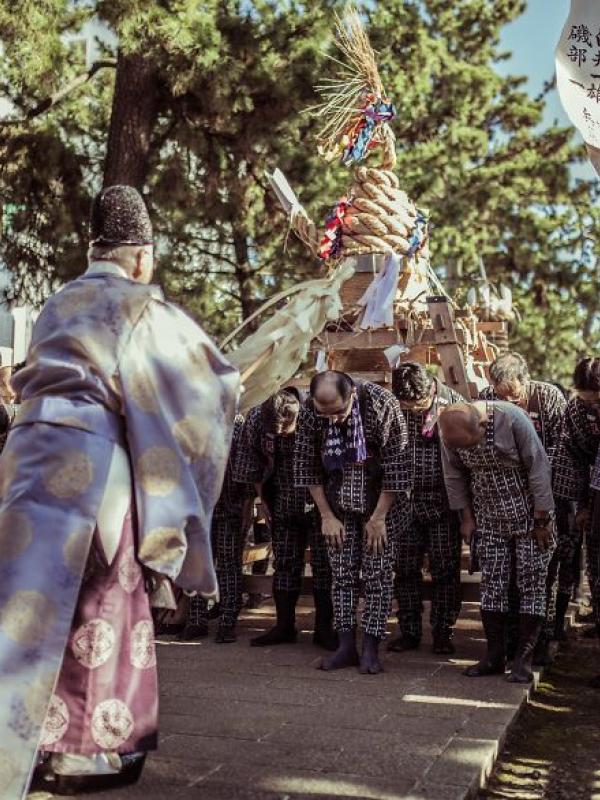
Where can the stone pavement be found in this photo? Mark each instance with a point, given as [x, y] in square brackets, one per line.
[264, 724]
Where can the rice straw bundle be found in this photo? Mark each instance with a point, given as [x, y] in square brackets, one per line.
[357, 85]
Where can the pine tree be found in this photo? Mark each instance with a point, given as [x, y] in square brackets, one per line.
[202, 99]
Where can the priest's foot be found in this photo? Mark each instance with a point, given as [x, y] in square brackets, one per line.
[128, 773]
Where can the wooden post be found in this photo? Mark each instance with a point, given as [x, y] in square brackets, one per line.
[448, 346]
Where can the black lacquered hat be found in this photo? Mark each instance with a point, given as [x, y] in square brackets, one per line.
[119, 216]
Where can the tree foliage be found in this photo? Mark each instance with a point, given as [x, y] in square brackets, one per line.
[230, 82]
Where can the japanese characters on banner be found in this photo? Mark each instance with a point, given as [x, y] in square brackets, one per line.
[578, 72]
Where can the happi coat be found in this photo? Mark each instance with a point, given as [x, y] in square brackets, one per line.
[113, 368]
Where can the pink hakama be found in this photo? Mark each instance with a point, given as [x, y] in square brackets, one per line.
[106, 697]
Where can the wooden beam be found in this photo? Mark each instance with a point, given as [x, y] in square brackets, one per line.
[375, 340]
[492, 326]
[448, 345]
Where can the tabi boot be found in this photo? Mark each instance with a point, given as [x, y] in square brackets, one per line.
[193, 631]
[562, 605]
[494, 662]
[324, 635]
[541, 651]
[255, 600]
[284, 631]
[214, 612]
[511, 636]
[226, 634]
[403, 641]
[168, 628]
[345, 656]
[42, 774]
[530, 627]
[442, 641]
[370, 663]
[97, 777]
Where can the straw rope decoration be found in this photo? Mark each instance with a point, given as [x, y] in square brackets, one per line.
[376, 216]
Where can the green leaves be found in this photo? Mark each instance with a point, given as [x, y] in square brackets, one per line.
[234, 80]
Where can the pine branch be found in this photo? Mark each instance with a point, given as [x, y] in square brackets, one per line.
[60, 94]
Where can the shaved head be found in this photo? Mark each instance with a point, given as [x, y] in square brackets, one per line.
[332, 393]
[327, 389]
[462, 425]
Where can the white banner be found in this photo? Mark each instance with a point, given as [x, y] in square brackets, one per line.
[578, 68]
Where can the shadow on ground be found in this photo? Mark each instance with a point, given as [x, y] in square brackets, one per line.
[553, 750]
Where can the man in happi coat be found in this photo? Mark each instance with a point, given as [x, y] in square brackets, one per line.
[108, 482]
[352, 454]
[498, 477]
[577, 467]
[265, 457]
[544, 403]
[231, 520]
[431, 525]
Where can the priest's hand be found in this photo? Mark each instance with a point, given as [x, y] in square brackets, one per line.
[376, 535]
[333, 531]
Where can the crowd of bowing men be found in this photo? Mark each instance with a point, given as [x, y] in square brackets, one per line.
[375, 480]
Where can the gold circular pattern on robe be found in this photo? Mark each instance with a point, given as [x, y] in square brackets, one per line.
[70, 302]
[56, 722]
[69, 475]
[192, 433]
[158, 471]
[129, 571]
[16, 534]
[112, 724]
[9, 770]
[142, 392]
[162, 545]
[93, 643]
[27, 617]
[75, 551]
[142, 651]
[8, 471]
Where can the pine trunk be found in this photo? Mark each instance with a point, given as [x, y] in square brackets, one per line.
[244, 274]
[133, 117]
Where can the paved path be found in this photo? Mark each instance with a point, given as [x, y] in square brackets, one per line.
[261, 724]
